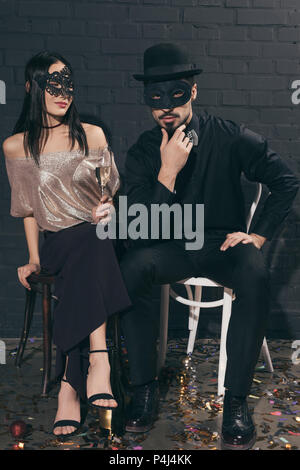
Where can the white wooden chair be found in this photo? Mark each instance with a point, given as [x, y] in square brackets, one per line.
[195, 304]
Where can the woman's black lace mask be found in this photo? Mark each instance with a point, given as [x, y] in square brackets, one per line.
[57, 83]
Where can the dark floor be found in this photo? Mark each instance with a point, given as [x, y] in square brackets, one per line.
[191, 412]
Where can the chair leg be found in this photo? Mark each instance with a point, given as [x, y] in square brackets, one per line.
[225, 322]
[266, 353]
[117, 423]
[193, 320]
[29, 309]
[164, 319]
[47, 338]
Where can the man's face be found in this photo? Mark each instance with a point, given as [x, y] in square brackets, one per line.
[171, 118]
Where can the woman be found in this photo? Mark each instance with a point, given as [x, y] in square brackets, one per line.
[50, 160]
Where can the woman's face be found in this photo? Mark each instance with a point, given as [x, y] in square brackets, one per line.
[57, 105]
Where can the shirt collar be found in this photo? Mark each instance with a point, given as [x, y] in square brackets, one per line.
[193, 124]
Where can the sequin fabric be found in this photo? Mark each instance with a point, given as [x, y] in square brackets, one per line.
[62, 191]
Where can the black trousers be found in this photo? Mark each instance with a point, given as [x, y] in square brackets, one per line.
[89, 287]
[241, 268]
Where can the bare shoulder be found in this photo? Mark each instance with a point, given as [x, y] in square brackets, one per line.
[13, 146]
[95, 135]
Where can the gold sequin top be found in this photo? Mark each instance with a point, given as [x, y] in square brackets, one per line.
[62, 191]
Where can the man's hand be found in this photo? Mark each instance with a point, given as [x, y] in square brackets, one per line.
[102, 212]
[234, 238]
[174, 152]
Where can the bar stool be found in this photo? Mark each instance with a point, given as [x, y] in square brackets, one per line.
[41, 283]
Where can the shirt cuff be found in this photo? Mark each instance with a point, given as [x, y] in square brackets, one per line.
[265, 229]
[161, 194]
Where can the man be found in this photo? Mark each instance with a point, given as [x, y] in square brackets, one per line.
[192, 159]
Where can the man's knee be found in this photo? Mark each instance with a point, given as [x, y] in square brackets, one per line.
[137, 267]
[251, 271]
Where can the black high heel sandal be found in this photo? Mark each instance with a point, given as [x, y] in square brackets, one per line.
[66, 422]
[100, 396]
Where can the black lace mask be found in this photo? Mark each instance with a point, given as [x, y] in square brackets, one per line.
[57, 83]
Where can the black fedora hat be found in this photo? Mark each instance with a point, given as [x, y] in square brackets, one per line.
[167, 61]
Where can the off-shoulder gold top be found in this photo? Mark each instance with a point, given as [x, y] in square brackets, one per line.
[61, 192]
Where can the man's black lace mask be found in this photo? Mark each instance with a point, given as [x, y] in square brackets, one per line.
[57, 83]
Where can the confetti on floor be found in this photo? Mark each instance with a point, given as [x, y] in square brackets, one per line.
[190, 409]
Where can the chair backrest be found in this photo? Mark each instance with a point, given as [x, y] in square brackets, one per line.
[254, 205]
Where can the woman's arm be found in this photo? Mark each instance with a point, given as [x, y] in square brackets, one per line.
[32, 237]
[97, 139]
[21, 207]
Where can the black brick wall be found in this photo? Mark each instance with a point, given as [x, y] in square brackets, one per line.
[250, 52]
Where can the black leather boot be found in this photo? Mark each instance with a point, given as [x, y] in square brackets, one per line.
[238, 431]
[143, 408]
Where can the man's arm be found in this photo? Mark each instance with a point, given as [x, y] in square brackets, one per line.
[141, 183]
[143, 186]
[260, 163]
[151, 169]
[167, 179]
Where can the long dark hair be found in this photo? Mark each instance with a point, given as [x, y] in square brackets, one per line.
[34, 112]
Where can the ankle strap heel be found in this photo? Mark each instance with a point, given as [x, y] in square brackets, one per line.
[100, 396]
[98, 350]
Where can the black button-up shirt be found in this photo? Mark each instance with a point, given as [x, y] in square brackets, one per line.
[212, 175]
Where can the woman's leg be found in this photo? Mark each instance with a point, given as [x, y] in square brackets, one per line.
[68, 406]
[98, 380]
[76, 254]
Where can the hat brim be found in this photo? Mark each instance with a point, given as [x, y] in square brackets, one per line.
[167, 76]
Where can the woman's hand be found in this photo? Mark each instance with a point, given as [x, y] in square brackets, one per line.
[102, 212]
[234, 238]
[25, 271]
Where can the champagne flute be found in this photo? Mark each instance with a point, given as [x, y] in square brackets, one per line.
[104, 169]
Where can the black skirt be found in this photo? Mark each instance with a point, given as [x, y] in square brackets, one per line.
[89, 288]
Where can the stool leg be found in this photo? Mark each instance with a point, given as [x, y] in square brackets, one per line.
[118, 415]
[29, 309]
[164, 319]
[194, 313]
[47, 338]
[227, 305]
[267, 357]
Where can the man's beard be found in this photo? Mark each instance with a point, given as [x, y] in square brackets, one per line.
[170, 128]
